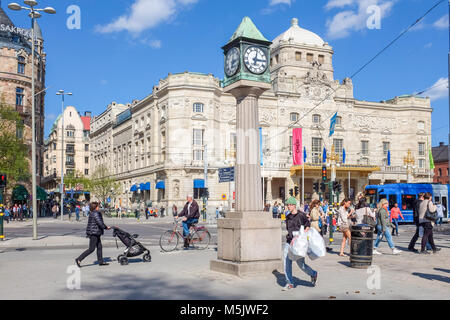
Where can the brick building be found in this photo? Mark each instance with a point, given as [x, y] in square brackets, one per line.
[440, 156]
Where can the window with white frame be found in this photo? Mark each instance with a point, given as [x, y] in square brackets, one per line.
[315, 149]
[290, 145]
[198, 137]
[198, 155]
[339, 147]
[316, 118]
[339, 121]
[421, 163]
[365, 147]
[386, 148]
[294, 116]
[233, 141]
[421, 148]
[198, 107]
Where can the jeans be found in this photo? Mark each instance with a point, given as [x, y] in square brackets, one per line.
[427, 236]
[395, 229]
[94, 242]
[77, 216]
[380, 236]
[439, 221]
[187, 224]
[288, 266]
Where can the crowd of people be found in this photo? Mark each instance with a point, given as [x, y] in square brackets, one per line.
[17, 212]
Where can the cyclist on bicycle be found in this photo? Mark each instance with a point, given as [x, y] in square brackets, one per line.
[189, 215]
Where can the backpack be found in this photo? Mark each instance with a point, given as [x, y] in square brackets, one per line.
[275, 209]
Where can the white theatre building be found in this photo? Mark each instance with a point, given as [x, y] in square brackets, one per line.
[155, 147]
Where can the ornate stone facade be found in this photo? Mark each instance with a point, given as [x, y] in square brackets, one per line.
[162, 138]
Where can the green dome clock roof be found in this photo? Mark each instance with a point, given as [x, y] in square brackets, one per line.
[247, 29]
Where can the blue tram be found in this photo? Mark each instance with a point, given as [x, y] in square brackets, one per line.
[404, 194]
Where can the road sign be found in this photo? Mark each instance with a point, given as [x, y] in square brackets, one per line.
[226, 174]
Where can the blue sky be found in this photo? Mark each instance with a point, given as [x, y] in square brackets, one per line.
[125, 46]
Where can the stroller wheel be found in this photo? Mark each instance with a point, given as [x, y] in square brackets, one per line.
[147, 257]
[122, 260]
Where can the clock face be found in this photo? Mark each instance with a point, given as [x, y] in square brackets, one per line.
[255, 60]
[232, 62]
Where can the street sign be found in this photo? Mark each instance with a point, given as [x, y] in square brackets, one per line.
[226, 174]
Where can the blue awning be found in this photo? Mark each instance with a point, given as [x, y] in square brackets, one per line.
[145, 186]
[160, 185]
[199, 184]
[134, 188]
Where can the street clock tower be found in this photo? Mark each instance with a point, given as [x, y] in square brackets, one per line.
[248, 240]
[247, 55]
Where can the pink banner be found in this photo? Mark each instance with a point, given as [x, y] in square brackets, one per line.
[297, 147]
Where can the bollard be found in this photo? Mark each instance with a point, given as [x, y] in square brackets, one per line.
[2, 237]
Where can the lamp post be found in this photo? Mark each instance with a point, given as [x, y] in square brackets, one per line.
[332, 161]
[34, 14]
[409, 165]
[62, 94]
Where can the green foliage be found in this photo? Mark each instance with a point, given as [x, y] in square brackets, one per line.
[14, 152]
[102, 186]
[77, 178]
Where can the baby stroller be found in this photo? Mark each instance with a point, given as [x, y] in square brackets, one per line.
[134, 248]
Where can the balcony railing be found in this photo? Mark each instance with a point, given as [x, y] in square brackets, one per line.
[70, 163]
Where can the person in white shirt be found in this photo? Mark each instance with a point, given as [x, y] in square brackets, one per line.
[440, 213]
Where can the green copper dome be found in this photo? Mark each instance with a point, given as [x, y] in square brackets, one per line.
[247, 29]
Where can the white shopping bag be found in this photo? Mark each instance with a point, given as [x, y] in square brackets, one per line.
[299, 245]
[316, 245]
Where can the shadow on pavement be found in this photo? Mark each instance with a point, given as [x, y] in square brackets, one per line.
[443, 270]
[281, 280]
[432, 277]
[153, 287]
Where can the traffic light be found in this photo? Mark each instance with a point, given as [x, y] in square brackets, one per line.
[291, 192]
[324, 173]
[316, 186]
[335, 185]
[2, 180]
[323, 186]
[339, 188]
[297, 190]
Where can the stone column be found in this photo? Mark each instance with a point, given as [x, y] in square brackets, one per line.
[248, 240]
[269, 189]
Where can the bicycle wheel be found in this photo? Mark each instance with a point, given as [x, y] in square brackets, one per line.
[169, 241]
[200, 240]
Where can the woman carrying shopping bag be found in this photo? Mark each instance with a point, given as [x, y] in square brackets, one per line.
[294, 221]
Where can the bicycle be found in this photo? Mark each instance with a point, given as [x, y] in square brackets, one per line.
[199, 237]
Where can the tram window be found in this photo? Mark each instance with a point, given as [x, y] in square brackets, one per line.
[392, 200]
[408, 201]
[436, 199]
[444, 204]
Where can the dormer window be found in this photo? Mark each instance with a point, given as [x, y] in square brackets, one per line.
[294, 116]
[198, 107]
[298, 56]
[321, 59]
[309, 57]
[316, 118]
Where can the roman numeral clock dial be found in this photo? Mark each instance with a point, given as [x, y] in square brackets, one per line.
[255, 60]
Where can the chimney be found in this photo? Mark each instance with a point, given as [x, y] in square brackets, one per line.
[88, 114]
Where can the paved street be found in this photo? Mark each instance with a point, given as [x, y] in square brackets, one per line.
[186, 274]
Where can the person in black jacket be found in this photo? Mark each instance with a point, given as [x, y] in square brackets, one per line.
[294, 221]
[94, 231]
[189, 215]
[416, 206]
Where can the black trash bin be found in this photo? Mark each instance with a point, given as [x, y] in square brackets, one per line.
[361, 246]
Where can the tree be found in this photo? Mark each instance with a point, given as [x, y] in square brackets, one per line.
[102, 186]
[73, 179]
[14, 153]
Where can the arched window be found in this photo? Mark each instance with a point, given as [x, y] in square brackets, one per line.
[294, 116]
[198, 107]
[21, 65]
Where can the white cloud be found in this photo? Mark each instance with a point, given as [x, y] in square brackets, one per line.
[439, 90]
[145, 14]
[275, 2]
[348, 21]
[156, 44]
[442, 23]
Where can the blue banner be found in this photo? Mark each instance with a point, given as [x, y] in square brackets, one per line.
[324, 155]
[333, 124]
[304, 155]
[343, 156]
[389, 158]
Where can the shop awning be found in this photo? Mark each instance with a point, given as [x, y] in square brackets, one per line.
[41, 193]
[199, 184]
[134, 188]
[20, 193]
[145, 186]
[160, 185]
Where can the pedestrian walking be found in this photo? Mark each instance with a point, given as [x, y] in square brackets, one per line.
[217, 213]
[315, 215]
[362, 209]
[174, 210]
[395, 212]
[77, 213]
[25, 211]
[427, 206]
[383, 224]
[294, 221]
[94, 230]
[440, 213]
[416, 206]
[15, 212]
[344, 215]
[7, 213]
[275, 210]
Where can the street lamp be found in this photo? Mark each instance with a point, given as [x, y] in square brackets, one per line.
[62, 94]
[34, 14]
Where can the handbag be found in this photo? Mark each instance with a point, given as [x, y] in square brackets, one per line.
[432, 216]
[369, 220]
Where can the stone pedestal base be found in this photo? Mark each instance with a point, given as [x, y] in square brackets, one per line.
[248, 243]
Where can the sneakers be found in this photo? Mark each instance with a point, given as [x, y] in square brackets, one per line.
[436, 250]
[424, 252]
[287, 287]
[375, 251]
[314, 279]
[396, 251]
[413, 250]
